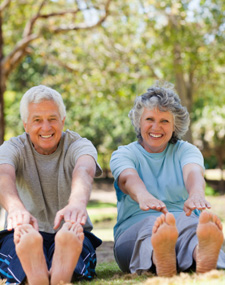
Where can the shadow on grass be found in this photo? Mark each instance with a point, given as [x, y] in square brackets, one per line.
[109, 273]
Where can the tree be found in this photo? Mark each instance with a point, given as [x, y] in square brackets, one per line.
[209, 136]
[47, 18]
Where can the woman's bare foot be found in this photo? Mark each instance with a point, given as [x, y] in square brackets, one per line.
[29, 248]
[164, 238]
[210, 238]
[68, 247]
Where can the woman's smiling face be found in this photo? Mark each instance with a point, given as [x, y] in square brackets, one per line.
[157, 128]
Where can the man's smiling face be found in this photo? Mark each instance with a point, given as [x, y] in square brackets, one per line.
[44, 126]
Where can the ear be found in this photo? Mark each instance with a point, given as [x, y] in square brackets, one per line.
[25, 126]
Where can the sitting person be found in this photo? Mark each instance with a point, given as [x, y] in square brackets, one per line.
[46, 177]
[162, 224]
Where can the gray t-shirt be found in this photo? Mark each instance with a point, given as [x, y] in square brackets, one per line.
[44, 181]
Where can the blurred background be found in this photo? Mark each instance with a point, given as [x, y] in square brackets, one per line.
[101, 54]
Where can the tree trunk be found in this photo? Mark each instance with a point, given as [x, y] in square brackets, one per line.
[219, 154]
[181, 86]
[2, 87]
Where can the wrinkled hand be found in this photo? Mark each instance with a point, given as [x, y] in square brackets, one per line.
[71, 213]
[147, 203]
[195, 202]
[20, 217]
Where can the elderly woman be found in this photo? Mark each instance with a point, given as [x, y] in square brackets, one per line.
[159, 182]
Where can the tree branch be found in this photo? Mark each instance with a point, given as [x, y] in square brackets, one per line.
[19, 51]
[86, 27]
[11, 60]
[4, 5]
[29, 26]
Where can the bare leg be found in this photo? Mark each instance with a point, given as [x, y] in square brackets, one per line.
[210, 237]
[164, 238]
[29, 248]
[68, 247]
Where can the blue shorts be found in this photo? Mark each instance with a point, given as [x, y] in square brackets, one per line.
[12, 271]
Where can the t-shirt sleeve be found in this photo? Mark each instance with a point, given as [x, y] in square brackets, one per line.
[83, 146]
[190, 154]
[121, 159]
[9, 154]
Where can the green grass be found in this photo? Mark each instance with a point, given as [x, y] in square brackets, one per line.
[99, 205]
[109, 273]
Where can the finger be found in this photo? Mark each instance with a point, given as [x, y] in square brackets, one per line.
[58, 220]
[67, 216]
[9, 224]
[188, 212]
[19, 219]
[191, 206]
[74, 217]
[26, 218]
[79, 217]
[82, 219]
[14, 222]
[164, 210]
[34, 223]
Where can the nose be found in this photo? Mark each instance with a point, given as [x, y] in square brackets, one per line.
[46, 125]
[155, 126]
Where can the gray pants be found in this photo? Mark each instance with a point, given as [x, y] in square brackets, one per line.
[133, 249]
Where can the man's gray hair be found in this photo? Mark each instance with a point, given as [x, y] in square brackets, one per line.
[163, 97]
[38, 94]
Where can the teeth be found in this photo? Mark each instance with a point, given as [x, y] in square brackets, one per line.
[155, 136]
[45, 137]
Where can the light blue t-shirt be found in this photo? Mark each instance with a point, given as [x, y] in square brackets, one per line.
[162, 175]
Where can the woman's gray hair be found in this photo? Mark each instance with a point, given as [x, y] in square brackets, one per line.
[38, 94]
[163, 97]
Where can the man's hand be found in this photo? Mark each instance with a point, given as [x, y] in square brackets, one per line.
[195, 201]
[71, 213]
[20, 217]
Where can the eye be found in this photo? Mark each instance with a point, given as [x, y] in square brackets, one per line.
[149, 119]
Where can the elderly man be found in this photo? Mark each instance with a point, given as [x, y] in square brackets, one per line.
[46, 176]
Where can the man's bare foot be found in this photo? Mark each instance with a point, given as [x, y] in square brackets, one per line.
[68, 247]
[164, 238]
[210, 238]
[29, 248]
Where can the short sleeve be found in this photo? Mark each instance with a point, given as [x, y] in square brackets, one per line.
[83, 146]
[10, 153]
[122, 159]
[190, 154]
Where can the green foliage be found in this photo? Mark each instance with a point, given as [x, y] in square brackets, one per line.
[209, 191]
[100, 72]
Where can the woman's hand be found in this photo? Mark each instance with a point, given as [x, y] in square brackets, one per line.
[195, 201]
[147, 202]
[195, 184]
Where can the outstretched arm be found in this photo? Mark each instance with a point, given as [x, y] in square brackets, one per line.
[130, 183]
[10, 201]
[195, 185]
[82, 179]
